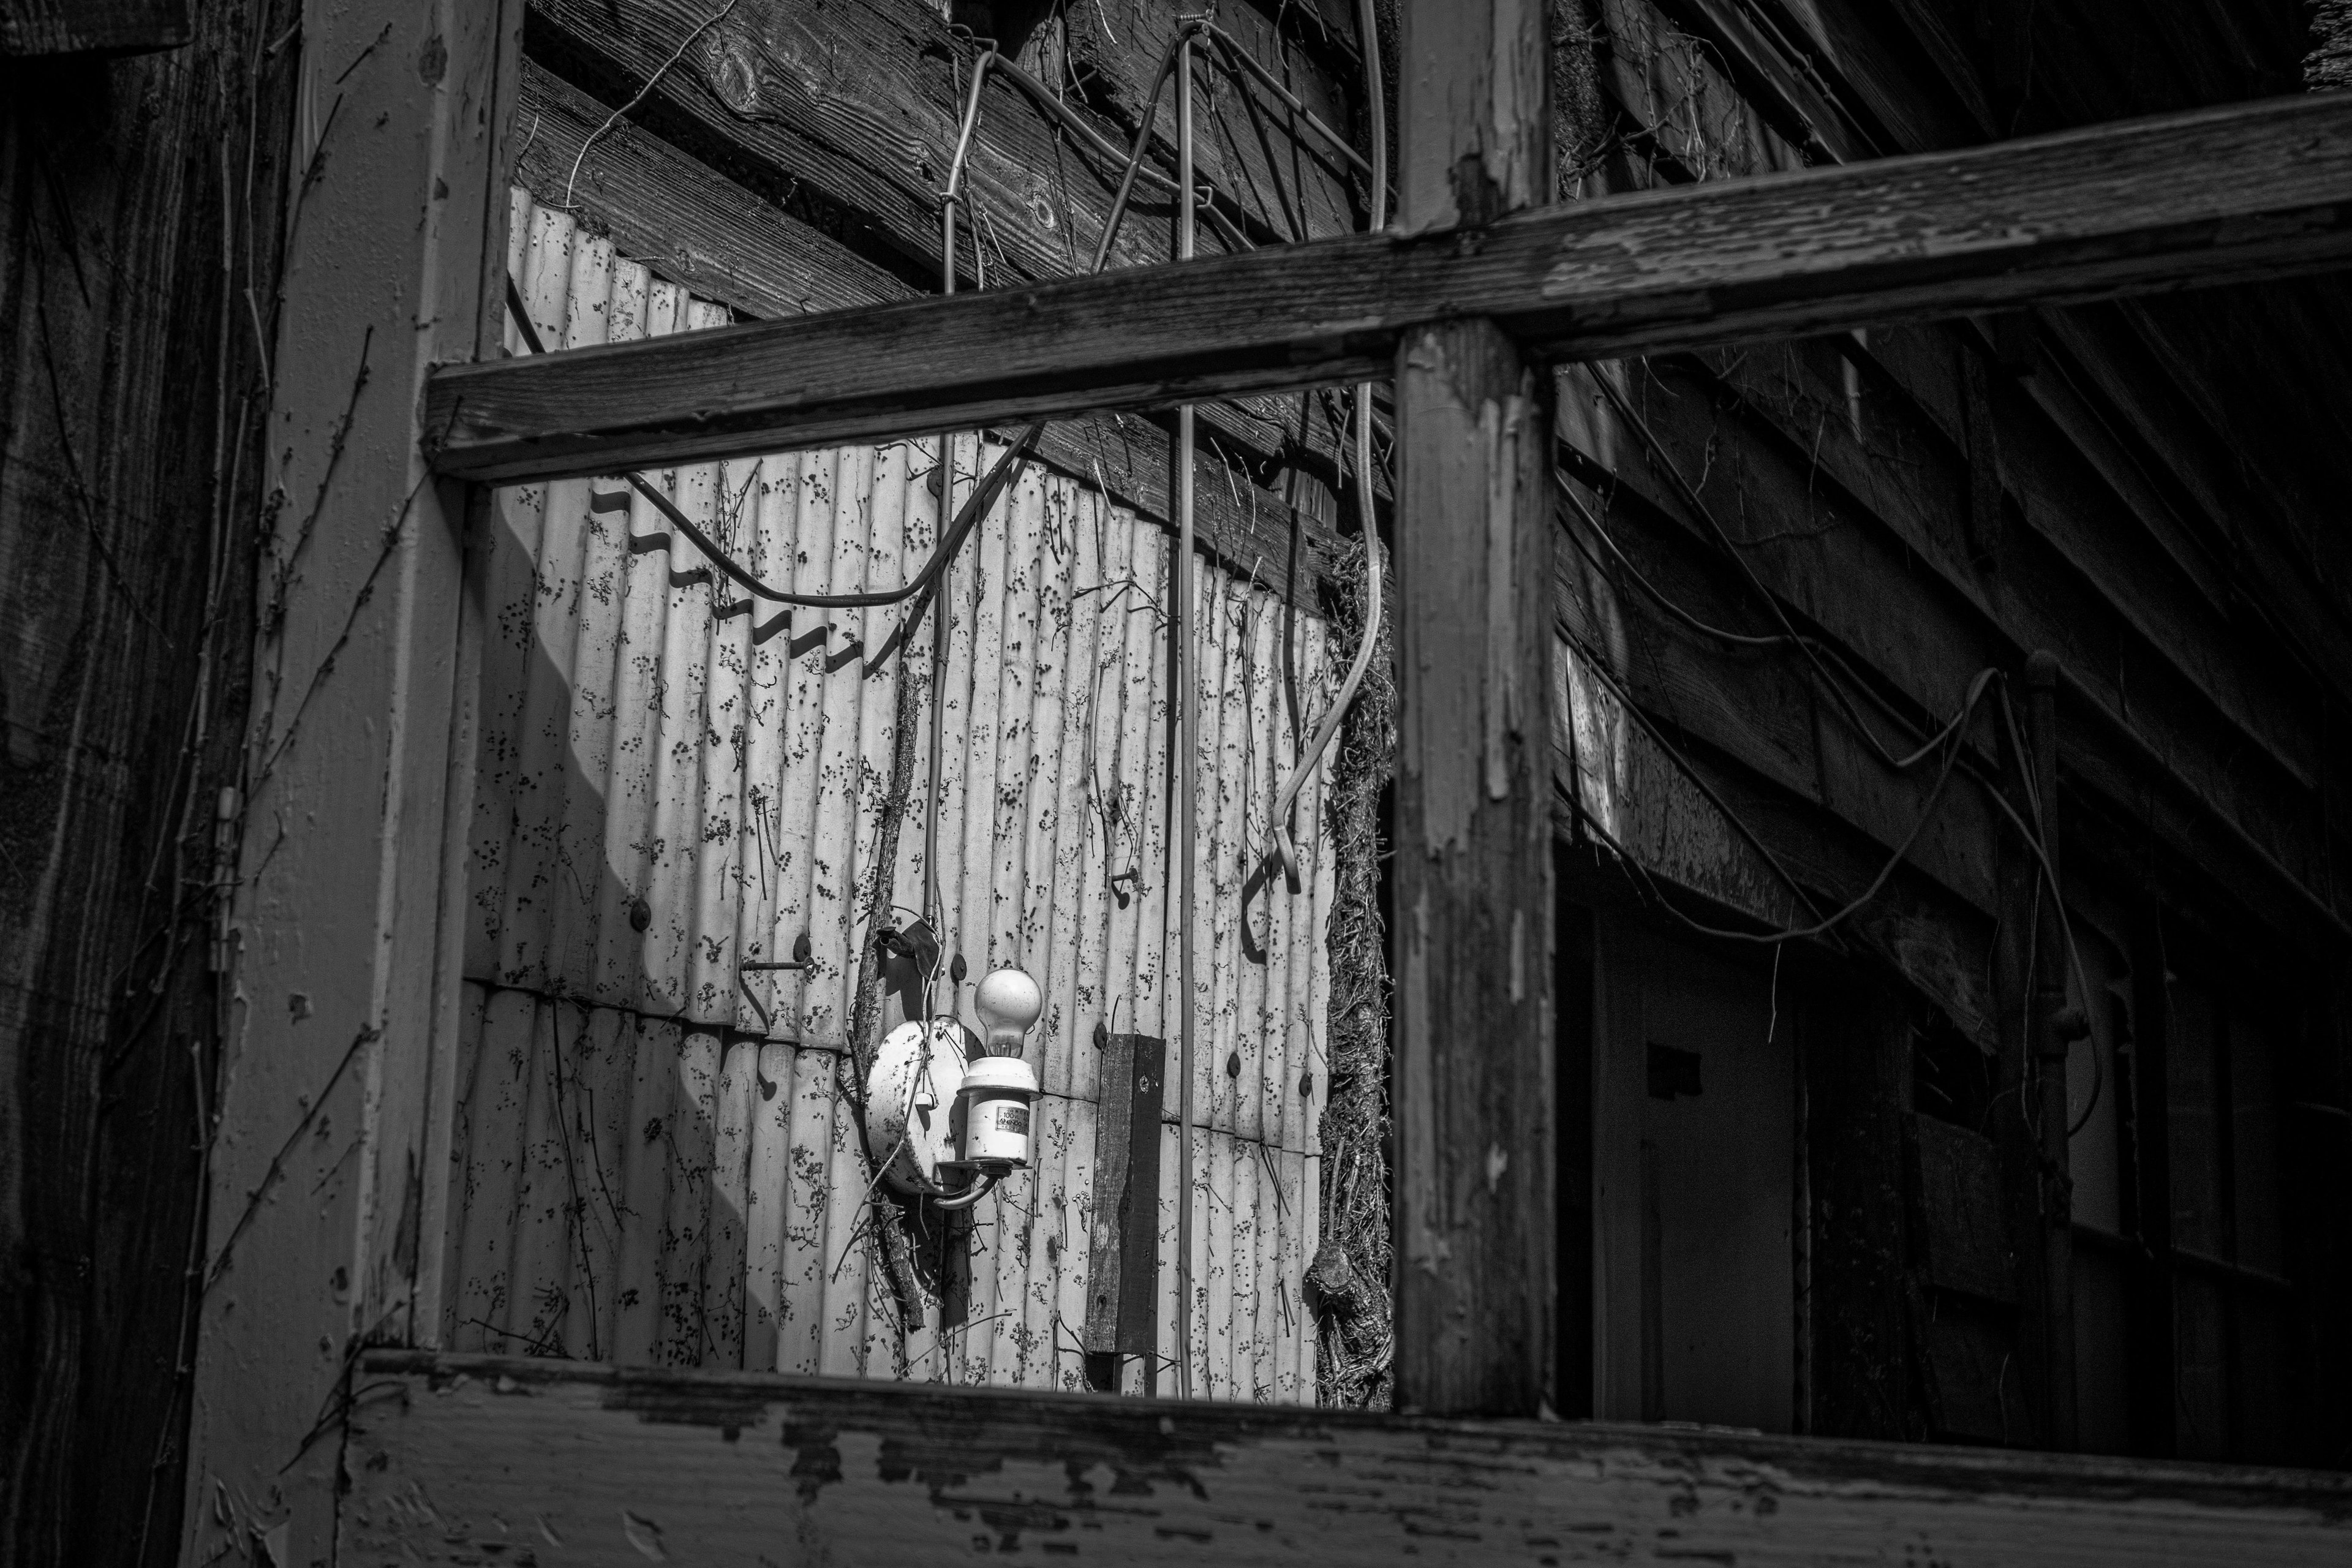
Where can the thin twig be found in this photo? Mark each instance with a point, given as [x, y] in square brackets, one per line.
[359, 602]
[277, 1161]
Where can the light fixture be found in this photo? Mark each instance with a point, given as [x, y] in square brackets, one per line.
[948, 1115]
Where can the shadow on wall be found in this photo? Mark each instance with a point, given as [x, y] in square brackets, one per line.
[672, 780]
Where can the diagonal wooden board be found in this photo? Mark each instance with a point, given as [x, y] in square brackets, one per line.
[488, 1460]
[2231, 195]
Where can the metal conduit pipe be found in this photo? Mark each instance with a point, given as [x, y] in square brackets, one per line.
[1187, 741]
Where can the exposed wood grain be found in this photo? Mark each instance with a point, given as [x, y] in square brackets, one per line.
[328, 1115]
[2077, 215]
[1786, 87]
[1759, 707]
[2045, 1000]
[77, 27]
[2258, 836]
[695, 227]
[1123, 1229]
[1683, 112]
[1474, 1045]
[680, 217]
[1803, 792]
[859, 105]
[467, 1459]
[2136, 390]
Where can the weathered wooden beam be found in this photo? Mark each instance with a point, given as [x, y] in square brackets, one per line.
[482, 1459]
[2202, 749]
[765, 93]
[1475, 1286]
[328, 1169]
[2251, 191]
[696, 227]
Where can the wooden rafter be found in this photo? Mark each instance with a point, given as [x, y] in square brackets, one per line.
[2223, 195]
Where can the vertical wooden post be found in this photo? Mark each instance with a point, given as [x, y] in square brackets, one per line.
[346, 1006]
[1475, 1291]
[2053, 1030]
[2030, 981]
[2151, 1353]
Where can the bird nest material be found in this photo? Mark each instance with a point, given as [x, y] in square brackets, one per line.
[1349, 1281]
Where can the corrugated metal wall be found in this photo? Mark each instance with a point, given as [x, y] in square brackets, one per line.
[670, 780]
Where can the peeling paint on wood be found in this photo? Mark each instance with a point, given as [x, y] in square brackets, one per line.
[469, 1459]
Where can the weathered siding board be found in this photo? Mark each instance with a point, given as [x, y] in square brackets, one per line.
[469, 1459]
[672, 782]
[636, 1193]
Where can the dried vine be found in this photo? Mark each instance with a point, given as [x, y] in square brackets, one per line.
[2328, 67]
[1348, 1279]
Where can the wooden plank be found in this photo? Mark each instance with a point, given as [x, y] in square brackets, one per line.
[1474, 1063]
[765, 94]
[337, 891]
[1771, 73]
[459, 1459]
[1276, 169]
[680, 217]
[77, 27]
[1957, 1193]
[693, 225]
[2077, 215]
[2247, 524]
[1123, 1227]
[1671, 813]
[1764, 710]
[2184, 458]
[2255, 831]
[1680, 116]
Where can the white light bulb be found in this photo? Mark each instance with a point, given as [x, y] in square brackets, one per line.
[1008, 1003]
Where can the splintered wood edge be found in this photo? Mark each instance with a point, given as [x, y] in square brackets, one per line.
[470, 1458]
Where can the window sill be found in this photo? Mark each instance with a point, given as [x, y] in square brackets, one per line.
[452, 1458]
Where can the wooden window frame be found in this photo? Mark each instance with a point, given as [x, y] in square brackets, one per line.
[326, 1421]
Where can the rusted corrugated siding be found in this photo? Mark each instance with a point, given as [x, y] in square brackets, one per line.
[645, 1171]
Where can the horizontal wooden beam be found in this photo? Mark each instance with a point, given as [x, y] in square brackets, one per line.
[2223, 196]
[481, 1458]
[693, 225]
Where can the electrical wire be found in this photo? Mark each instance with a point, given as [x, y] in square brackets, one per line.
[1949, 739]
[967, 517]
[1651, 590]
[2032, 833]
[1240, 59]
[1188, 740]
[1375, 96]
[1609, 678]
